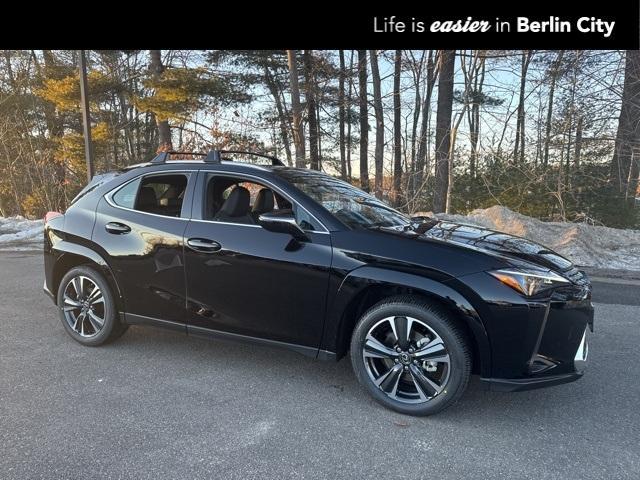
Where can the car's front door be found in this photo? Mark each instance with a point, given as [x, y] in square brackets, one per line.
[141, 228]
[249, 281]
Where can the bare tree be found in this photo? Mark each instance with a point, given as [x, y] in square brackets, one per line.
[443, 128]
[312, 118]
[296, 110]
[624, 164]
[554, 74]
[364, 122]
[518, 152]
[164, 130]
[397, 129]
[349, 105]
[422, 158]
[341, 116]
[474, 119]
[274, 89]
[379, 116]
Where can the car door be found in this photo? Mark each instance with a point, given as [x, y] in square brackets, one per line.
[140, 225]
[254, 282]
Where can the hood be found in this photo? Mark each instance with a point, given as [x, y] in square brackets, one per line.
[491, 242]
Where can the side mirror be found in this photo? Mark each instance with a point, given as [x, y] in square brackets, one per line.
[282, 222]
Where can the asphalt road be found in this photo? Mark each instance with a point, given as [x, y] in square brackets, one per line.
[158, 404]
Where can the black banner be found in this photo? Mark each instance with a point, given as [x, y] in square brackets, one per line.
[318, 25]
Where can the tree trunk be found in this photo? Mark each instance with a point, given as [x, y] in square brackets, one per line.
[164, 131]
[518, 152]
[628, 135]
[349, 105]
[554, 77]
[379, 114]
[341, 116]
[474, 121]
[397, 132]
[311, 110]
[283, 121]
[578, 148]
[54, 122]
[296, 110]
[422, 163]
[443, 128]
[364, 121]
[417, 104]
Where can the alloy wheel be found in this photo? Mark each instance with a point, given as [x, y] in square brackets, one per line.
[83, 306]
[406, 359]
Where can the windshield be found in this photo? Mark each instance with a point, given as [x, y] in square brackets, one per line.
[349, 204]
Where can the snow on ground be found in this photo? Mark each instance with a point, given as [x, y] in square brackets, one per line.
[585, 245]
[19, 233]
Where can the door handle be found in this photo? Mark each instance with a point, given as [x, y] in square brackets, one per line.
[117, 228]
[203, 245]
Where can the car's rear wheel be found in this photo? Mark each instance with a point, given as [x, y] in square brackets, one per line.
[87, 308]
[411, 356]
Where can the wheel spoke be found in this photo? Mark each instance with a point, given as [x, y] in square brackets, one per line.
[432, 350]
[424, 384]
[98, 299]
[389, 381]
[78, 321]
[96, 321]
[375, 349]
[77, 286]
[402, 330]
[95, 293]
[70, 304]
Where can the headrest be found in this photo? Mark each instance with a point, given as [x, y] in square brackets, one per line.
[264, 201]
[237, 204]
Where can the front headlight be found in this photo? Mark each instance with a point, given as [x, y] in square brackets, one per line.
[529, 283]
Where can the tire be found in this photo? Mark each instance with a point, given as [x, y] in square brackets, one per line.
[408, 381]
[81, 314]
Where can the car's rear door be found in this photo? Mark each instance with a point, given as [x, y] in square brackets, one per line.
[255, 282]
[140, 225]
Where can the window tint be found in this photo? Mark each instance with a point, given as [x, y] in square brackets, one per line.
[236, 200]
[126, 196]
[158, 194]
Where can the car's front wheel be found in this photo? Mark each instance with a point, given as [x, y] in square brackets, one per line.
[87, 308]
[411, 356]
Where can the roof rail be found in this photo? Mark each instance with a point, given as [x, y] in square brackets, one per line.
[214, 156]
[274, 160]
[163, 156]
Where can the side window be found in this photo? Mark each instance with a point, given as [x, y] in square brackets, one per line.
[158, 194]
[237, 200]
[126, 196]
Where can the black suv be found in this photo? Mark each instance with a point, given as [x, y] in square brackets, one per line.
[299, 259]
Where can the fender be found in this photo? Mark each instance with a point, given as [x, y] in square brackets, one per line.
[64, 249]
[364, 277]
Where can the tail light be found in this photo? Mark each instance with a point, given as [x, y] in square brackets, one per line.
[51, 215]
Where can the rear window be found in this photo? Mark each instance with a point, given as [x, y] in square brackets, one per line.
[157, 194]
[126, 196]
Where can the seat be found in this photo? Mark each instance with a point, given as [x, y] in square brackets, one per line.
[263, 203]
[147, 201]
[236, 207]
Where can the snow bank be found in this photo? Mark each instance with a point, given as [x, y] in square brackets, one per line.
[19, 233]
[584, 245]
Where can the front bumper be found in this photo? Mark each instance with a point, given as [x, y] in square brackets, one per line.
[534, 343]
[531, 383]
